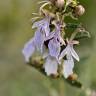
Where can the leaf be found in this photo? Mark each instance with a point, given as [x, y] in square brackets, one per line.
[84, 34]
[73, 25]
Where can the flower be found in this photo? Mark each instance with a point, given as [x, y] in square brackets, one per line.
[51, 65]
[70, 53]
[43, 25]
[29, 49]
[42, 32]
[36, 43]
[68, 66]
[54, 46]
[55, 43]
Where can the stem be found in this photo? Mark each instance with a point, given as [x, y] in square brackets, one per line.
[73, 35]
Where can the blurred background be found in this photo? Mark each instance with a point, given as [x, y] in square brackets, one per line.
[18, 79]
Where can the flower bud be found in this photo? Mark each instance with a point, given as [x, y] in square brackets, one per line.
[60, 3]
[73, 77]
[79, 10]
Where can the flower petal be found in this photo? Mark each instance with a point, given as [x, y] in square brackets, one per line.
[45, 52]
[54, 48]
[63, 53]
[51, 65]
[44, 24]
[38, 23]
[74, 54]
[29, 49]
[39, 40]
[46, 28]
[68, 68]
[51, 35]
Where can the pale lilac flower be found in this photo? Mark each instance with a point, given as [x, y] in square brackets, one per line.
[69, 51]
[54, 46]
[43, 25]
[55, 43]
[51, 65]
[29, 49]
[39, 39]
[37, 42]
[42, 32]
[68, 65]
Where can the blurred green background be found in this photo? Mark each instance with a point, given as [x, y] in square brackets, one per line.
[18, 79]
